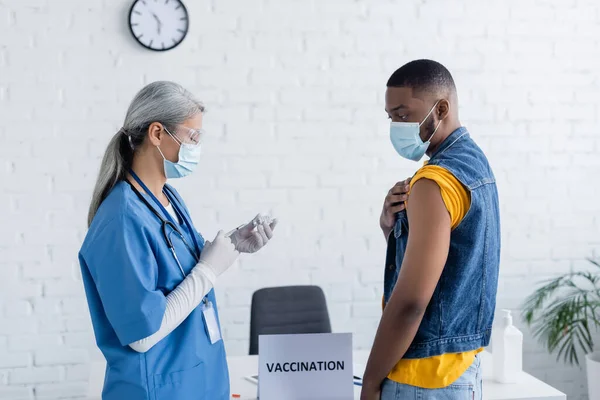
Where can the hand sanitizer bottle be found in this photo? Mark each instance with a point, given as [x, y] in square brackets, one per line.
[507, 350]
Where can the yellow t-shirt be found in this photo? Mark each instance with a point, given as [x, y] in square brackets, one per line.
[438, 371]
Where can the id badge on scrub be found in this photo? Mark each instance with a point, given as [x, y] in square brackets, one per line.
[210, 321]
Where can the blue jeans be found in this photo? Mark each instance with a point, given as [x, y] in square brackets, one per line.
[466, 387]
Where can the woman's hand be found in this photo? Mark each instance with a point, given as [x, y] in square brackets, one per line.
[217, 256]
[393, 204]
[247, 239]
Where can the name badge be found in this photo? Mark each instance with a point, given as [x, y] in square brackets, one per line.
[210, 321]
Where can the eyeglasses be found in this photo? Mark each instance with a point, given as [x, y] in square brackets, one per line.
[185, 135]
[193, 136]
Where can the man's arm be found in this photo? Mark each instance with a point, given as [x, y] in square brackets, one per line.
[424, 260]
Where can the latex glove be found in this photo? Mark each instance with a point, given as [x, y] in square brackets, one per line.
[217, 256]
[255, 235]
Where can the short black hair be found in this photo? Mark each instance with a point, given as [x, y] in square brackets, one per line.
[426, 75]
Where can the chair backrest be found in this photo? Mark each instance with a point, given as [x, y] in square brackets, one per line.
[287, 310]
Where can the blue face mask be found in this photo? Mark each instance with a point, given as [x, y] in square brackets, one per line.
[406, 139]
[189, 155]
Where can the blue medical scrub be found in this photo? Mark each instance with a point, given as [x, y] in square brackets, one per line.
[127, 272]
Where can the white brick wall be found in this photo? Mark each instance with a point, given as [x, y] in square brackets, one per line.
[294, 91]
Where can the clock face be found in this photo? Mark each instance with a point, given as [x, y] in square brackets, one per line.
[158, 24]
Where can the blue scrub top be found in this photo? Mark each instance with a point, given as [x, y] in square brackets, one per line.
[127, 271]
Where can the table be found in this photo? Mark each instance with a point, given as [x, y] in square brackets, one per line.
[529, 388]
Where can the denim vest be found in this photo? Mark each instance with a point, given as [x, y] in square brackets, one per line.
[460, 314]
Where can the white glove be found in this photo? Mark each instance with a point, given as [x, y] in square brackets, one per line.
[217, 256]
[254, 236]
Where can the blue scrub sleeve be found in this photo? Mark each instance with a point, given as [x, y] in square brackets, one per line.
[124, 269]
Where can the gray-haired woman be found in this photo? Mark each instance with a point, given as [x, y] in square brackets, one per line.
[148, 273]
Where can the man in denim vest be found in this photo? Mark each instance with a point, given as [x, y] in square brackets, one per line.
[441, 272]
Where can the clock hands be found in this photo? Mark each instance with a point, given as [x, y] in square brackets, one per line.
[158, 21]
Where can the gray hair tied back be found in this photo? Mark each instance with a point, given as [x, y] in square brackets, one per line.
[122, 131]
[163, 101]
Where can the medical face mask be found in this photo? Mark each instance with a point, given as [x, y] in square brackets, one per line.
[406, 139]
[189, 155]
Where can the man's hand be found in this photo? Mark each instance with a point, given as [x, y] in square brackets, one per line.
[393, 204]
[370, 392]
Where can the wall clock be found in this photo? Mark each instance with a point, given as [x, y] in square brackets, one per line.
[158, 25]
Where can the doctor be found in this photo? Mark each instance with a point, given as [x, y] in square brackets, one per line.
[148, 273]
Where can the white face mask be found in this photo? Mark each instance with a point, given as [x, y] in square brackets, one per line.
[189, 156]
[406, 139]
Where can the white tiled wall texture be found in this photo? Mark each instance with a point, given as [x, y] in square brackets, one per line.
[295, 97]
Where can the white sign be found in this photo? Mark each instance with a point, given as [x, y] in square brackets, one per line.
[305, 367]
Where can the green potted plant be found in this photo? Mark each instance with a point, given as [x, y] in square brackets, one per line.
[564, 314]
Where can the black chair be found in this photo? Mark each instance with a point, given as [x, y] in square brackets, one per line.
[287, 310]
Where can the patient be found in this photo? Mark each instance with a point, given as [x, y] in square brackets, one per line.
[441, 272]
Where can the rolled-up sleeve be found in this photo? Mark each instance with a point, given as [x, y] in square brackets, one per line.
[124, 269]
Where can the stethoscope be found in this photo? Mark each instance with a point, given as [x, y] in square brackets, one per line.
[167, 227]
